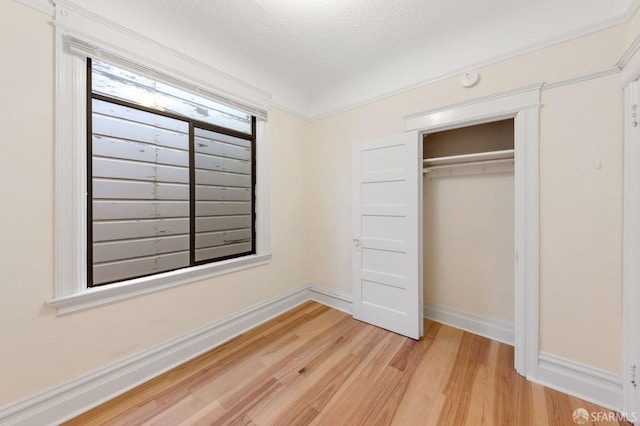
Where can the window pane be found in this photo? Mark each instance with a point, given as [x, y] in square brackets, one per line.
[118, 83]
[223, 181]
[140, 190]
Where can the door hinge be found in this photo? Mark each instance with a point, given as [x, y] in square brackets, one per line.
[634, 115]
[633, 376]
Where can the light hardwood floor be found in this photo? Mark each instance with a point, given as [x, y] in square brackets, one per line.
[316, 365]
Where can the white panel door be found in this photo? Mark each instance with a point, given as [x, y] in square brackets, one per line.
[387, 233]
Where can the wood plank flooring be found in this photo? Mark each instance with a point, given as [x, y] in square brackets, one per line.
[316, 365]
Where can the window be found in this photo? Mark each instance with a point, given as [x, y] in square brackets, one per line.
[171, 181]
[161, 177]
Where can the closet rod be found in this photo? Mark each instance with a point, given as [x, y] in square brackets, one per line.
[470, 163]
[468, 158]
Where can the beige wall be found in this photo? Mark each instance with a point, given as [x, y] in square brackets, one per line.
[581, 222]
[39, 349]
[580, 207]
[580, 211]
[468, 244]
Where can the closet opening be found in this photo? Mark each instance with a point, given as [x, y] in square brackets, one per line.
[468, 228]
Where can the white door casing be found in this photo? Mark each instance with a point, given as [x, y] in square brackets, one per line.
[631, 253]
[387, 236]
[523, 106]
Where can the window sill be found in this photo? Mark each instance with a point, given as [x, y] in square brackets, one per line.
[139, 286]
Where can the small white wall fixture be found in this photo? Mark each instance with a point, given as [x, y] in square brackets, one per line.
[631, 252]
[523, 106]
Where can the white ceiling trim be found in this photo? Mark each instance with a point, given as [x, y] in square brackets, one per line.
[96, 30]
[44, 6]
[307, 113]
[629, 53]
[458, 71]
[291, 111]
[633, 8]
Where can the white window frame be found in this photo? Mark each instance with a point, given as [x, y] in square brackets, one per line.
[71, 287]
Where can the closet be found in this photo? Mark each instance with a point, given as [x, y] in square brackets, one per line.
[468, 221]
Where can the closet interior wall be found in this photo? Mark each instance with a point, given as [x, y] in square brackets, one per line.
[469, 220]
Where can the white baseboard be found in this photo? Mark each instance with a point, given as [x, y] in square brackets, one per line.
[489, 328]
[336, 299]
[582, 381]
[579, 380]
[74, 397]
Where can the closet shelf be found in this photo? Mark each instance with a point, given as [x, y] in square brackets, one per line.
[468, 158]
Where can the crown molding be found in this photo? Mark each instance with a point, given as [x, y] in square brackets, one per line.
[291, 111]
[477, 65]
[45, 6]
[629, 53]
[619, 20]
[70, 15]
[633, 8]
[48, 7]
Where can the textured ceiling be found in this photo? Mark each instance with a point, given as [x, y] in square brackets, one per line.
[317, 56]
